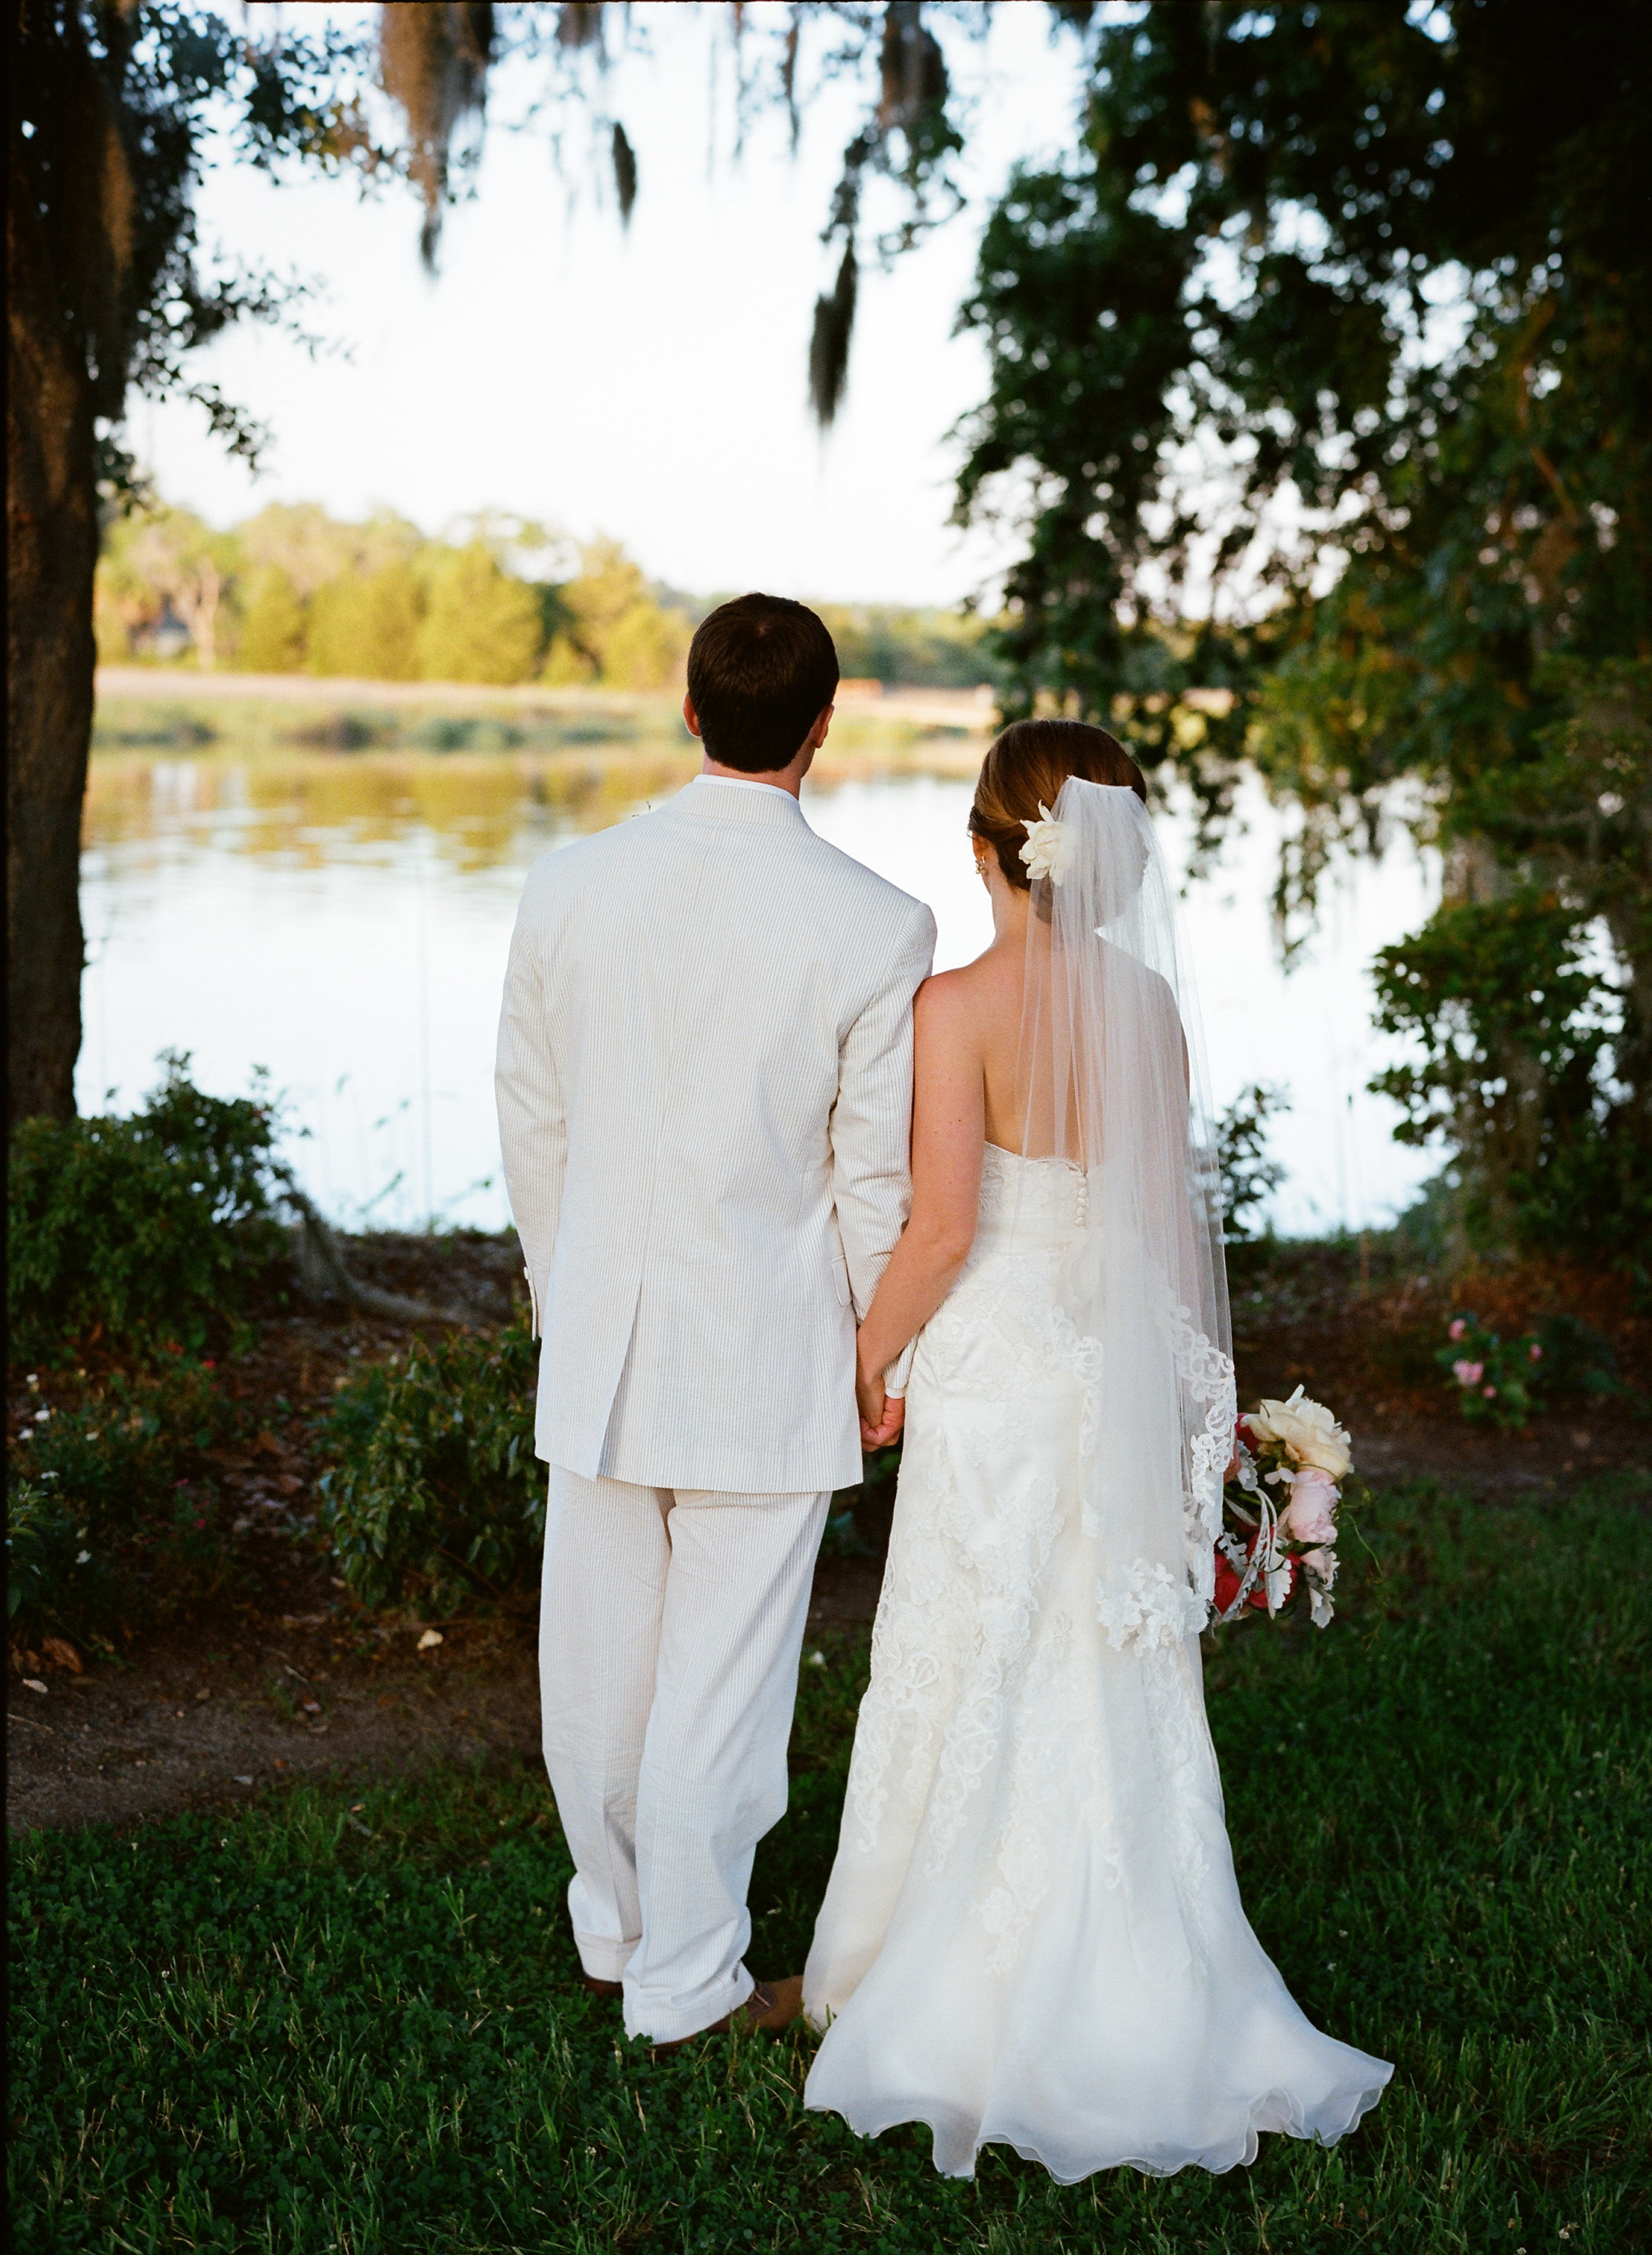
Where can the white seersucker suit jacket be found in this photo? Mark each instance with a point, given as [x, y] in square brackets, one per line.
[705, 1080]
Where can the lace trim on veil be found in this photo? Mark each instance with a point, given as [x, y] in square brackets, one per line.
[1207, 1377]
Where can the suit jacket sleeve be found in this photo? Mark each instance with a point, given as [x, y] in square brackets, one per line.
[533, 1127]
[872, 1125]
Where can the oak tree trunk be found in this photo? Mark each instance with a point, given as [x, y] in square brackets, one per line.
[51, 553]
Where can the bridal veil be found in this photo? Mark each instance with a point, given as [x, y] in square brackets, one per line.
[1111, 1079]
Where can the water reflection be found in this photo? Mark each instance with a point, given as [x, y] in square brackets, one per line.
[304, 807]
[343, 921]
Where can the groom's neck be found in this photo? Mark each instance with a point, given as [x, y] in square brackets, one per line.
[787, 778]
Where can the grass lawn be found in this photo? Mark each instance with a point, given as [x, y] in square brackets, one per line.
[316, 2025]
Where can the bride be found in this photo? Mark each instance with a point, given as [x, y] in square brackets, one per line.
[1032, 1936]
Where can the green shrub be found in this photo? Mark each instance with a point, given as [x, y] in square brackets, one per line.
[1506, 1381]
[52, 1579]
[1578, 1362]
[111, 1517]
[434, 1493]
[1518, 1051]
[143, 1232]
[1497, 1380]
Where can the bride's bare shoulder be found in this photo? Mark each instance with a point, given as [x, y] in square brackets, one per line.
[951, 1003]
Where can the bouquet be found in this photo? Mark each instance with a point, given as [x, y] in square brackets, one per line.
[1279, 1511]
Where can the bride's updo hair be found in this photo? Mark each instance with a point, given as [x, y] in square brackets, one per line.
[1024, 769]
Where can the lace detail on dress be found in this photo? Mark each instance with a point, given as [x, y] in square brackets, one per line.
[998, 1187]
[980, 1730]
[976, 1520]
[1056, 1783]
[1189, 1785]
[1153, 1608]
[913, 1680]
[1080, 1356]
[1006, 1582]
[1014, 1190]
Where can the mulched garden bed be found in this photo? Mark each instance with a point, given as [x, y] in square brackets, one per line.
[278, 1671]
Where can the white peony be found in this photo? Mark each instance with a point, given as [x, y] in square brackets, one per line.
[1048, 852]
[1307, 1431]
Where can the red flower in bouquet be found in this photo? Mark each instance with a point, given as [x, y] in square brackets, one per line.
[1229, 1580]
[1227, 1584]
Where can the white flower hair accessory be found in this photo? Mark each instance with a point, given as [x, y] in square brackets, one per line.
[1047, 851]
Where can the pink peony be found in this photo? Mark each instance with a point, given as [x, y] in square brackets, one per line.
[1311, 1516]
[1457, 1330]
[1468, 1374]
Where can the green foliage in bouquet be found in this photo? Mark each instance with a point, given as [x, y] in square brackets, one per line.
[433, 1491]
[143, 1232]
[111, 1517]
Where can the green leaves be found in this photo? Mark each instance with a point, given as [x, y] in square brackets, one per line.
[1250, 1177]
[1514, 1024]
[434, 1493]
[1316, 376]
[1496, 1380]
[144, 1231]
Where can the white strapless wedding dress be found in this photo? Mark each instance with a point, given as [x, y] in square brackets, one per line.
[1033, 1935]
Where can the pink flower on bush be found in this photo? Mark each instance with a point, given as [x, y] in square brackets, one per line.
[1534, 1351]
[1310, 1514]
[1490, 1392]
[1468, 1374]
[1457, 1329]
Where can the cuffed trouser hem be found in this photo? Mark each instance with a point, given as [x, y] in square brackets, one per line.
[661, 2021]
[601, 1959]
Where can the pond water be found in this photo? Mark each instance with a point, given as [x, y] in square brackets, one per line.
[341, 923]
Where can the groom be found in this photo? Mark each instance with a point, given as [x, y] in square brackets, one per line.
[705, 1092]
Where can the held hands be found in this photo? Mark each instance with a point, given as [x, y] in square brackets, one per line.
[881, 1415]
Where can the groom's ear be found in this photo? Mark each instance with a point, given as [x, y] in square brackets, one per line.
[690, 719]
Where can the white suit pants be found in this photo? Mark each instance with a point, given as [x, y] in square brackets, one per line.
[671, 1624]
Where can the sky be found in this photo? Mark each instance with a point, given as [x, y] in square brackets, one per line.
[648, 385]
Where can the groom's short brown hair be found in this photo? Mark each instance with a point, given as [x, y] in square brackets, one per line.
[761, 671]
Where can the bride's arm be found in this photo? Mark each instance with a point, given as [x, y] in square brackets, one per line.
[949, 1128]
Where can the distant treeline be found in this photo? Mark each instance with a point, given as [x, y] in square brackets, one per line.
[503, 601]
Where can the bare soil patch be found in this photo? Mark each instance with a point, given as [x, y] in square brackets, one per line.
[281, 1674]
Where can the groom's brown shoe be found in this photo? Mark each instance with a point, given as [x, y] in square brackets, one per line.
[606, 1990]
[771, 2007]
[788, 2005]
